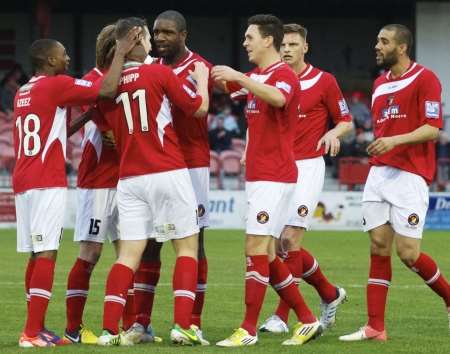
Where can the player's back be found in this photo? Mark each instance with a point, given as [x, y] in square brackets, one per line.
[141, 119]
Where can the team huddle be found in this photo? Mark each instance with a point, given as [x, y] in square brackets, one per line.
[144, 178]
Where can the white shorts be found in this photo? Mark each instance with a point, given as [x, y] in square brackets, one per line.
[395, 196]
[267, 205]
[97, 215]
[40, 219]
[158, 205]
[311, 176]
[200, 182]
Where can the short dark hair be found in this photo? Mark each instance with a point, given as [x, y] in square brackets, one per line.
[402, 35]
[124, 25]
[269, 25]
[296, 28]
[40, 51]
[174, 16]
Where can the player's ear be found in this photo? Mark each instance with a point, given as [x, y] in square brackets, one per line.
[305, 48]
[268, 41]
[183, 35]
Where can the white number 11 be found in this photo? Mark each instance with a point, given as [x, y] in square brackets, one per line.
[125, 99]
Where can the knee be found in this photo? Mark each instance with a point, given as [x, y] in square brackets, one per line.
[407, 255]
[91, 253]
[379, 246]
[290, 239]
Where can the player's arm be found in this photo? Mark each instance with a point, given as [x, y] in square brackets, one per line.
[268, 93]
[331, 138]
[244, 155]
[201, 76]
[78, 123]
[420, 135]
[109, 84]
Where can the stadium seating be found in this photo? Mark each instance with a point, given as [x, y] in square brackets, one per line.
[231, 165]
[353, 171]
[238, 145]
[443, 173]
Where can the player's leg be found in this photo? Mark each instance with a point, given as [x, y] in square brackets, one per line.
[145, 282]
[92, 227]
[376, 218]
[135, 227]
[43, 210]
[200, 183]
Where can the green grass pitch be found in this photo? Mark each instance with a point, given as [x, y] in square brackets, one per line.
[416, 318]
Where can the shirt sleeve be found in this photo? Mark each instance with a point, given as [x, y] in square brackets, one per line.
[285, 82]
[70, 91]
[99, 120]
[180, 94]
[430, 104]
[335, 102]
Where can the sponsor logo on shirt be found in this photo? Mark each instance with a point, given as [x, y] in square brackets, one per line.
[432, 109]
[189, 91]
[391, 112]
[343, 107]
[283, 86]
[251, 106]
[85, 83]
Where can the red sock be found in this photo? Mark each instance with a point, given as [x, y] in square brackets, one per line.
[380, 275]
[294, 263]
[430, 273]
[283, 283]
[129, 311]
[145, 282]
[314, 276]
[117, 285]
[184, 285]
[256, 280]
[41, 283]
[200, 293]
[77, 291]
[28, 275]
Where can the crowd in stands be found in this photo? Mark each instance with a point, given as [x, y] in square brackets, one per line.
[227, 130]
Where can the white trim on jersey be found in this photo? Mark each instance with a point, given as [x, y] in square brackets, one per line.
[164, 118]
[307, 71]
[307, 84]
[92, 134]
[390, 87]
[57, 132]
[261, 78]
[98, 71]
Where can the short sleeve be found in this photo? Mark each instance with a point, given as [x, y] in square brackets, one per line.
[70, 91]
[430, 104]
[335, 101]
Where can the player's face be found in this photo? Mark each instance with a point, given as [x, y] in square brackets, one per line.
[59, 59]
[255, 44]
[168, 40]
[293, 48]
[386, 49]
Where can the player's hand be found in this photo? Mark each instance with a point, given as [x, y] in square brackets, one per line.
[201, 72]
[381, 146]
[108, 139]
[224, 73]
[243, 160]
[127, 43]
[331, 142]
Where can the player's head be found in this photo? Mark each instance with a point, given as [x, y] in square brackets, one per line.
[48, 56]
[264, 33]
[143, 47]
[393, 42]
[169, 33]
[104, 47]
[294, 45]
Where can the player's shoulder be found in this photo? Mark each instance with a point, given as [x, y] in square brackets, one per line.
[93, 75]
[426, 74]
[282, 69]
[155, 68]
[198, 57]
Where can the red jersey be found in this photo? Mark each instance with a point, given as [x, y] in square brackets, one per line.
[400, 106]
[270, 146]
[320, 99]
[141, 118]
[192, 131]
[40, 132]
[99, 165]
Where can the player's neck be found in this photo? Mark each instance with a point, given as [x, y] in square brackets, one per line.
[171, 61]
[45, 72]
[400, 68]
[269, 59]
[299, 66]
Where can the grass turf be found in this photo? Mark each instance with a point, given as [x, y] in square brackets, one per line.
[416, 317]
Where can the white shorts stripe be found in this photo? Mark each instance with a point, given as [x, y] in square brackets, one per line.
[113, 298]
[184, 293]
[311, 271]
[433, 278]
[285, 283]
